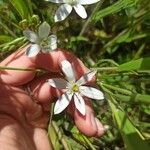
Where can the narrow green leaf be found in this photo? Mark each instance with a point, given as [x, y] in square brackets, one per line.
[23, 8]
[7, 29]
[5, 38]
[116, 7]
[143, 98]
[146, 109]
[140, 98]
[131, 136]
[139, 64]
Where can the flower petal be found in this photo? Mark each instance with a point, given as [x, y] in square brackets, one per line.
[62, 102]
[86, 77]
[87, 2]
[58, 83]
[52, 42]
[80, 10]
[57, 1]
[31, 36]
[91, 92]
[68, 70]
[79, 103]
[44, 30]
[62, 12]
[33, 50]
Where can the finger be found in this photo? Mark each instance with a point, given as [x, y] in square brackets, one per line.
[50, 62]
[43, 144]
[88, 124]
[14, 136]
[17, 60]
[53, 61]
[17, 103]
[42, 92]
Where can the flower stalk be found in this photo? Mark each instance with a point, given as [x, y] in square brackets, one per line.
[21, 69]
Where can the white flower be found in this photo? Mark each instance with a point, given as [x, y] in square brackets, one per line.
[65, 9]
[41, 41]
[74, 89]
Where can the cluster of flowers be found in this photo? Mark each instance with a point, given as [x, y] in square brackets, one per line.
[42, 42]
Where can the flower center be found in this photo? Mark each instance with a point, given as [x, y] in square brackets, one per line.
[44, 43]
[75, 88]
[72, 2]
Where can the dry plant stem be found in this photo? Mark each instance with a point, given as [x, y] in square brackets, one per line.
[21, 69]
[40, 70]
[51, 114]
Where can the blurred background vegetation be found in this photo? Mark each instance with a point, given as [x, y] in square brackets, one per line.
[115, 40]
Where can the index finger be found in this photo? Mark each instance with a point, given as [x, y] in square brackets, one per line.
[50, 62]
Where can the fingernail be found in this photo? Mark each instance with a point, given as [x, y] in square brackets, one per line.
[93, 121]
[100, 128]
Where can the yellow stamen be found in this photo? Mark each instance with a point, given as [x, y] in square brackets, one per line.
[44, 42]
[75, 88]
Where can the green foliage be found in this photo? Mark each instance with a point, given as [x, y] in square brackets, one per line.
[130, 134]
[116, 7]
[114, 40]
[139, 64]
[23, 8]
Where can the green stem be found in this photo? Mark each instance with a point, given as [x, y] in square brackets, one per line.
[108, 61]
[123, 73]
[106, 90]
[7, 29]
[16, 41]
[60, 136]
[135, 97]
[123, 91]
[139, 52]
[51, 114]
[10, 22]
[89, 143]
[105, 69]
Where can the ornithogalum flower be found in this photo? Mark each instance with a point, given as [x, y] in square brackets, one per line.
[74, 89]
[41, 41]
[67, 5]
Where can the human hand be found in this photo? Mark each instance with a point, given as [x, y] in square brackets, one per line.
[23, 115]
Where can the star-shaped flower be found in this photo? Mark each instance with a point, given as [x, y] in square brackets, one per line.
[41, 41]
[74, 89]
[65, 9]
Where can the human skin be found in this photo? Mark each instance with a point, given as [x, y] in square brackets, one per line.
[24, 114]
